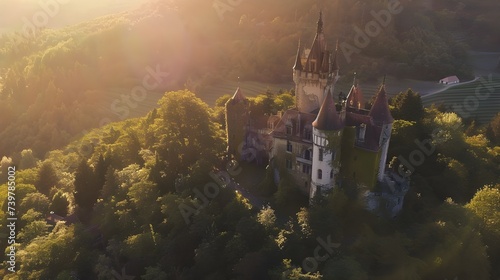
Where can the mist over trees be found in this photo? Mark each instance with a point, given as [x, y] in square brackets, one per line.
[67, 73]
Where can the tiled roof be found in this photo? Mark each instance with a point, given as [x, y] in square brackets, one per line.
[328, 118]
[380, 110]
[297, 120]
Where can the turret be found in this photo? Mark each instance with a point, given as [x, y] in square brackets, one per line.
[236, 120]
[382, 118]
[327, 127]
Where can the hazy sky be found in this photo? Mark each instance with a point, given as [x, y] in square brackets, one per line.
[14, 13]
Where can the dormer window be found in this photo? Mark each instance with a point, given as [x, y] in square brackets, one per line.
[288, 129]
[307, 134]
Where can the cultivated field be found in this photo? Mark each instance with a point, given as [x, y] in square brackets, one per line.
[479, 100]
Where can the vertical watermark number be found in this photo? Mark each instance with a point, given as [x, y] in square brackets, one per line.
[11, 218]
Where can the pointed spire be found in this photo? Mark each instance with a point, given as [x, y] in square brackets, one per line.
[315, 57]
[238, 96]
[380, 110]
[298, 62]
[328, 118]
[355, 97]
[320, 23]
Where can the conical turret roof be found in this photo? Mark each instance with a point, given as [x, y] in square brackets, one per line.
[380, 110]
[328, 118]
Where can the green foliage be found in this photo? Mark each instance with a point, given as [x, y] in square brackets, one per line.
[44, 257]
[86, 188]
[153, 165]
[407, 106]
[493, 131]
[47, 178]
[59, 204]
[485, 205]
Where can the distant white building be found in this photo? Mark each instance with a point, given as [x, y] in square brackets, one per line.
[449, 80]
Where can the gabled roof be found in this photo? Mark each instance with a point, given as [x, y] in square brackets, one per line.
[355, 97]
[328, 118]
[298, 120]
[450, 79]
[380, 110]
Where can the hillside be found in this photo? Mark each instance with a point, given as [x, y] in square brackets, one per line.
[59, 77]
[144, 198]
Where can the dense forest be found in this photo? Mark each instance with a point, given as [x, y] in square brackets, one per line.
[103, 195]
[69, 74]
[139, 198]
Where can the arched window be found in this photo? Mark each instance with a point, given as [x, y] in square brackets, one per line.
[320, 174]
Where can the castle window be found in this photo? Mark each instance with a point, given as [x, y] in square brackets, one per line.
[362, 132]
[320, 174]
[288, 164]
[306, 169]
[320, 154]
[288, 146]
[307, 134]
[331, 174]
[307, 154]
[288, 129]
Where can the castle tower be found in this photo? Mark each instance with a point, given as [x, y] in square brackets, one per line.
[236, 121]
[325, 162]
[382, 118]
[312, 71]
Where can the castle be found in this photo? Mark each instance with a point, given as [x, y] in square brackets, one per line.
[321, 143]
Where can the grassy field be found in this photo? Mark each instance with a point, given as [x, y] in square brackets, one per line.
[479, 100]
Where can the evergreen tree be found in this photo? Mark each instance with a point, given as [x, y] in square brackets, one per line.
[407, 106]
[86, 188]
[47, 178]
[100, 171]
